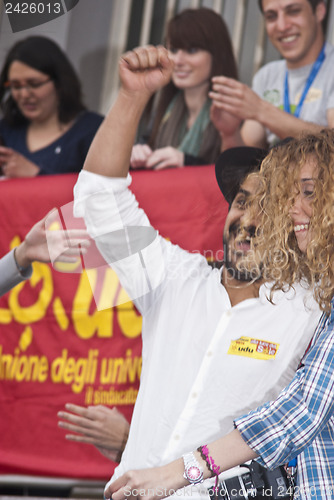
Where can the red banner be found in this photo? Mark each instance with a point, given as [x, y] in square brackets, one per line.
[55, 347]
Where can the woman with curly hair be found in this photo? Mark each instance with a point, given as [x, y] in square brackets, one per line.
[179, 131]
[296, 244]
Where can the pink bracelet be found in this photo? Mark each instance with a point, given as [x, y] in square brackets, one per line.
[204, 451]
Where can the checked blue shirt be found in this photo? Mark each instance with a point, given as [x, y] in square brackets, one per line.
[300, 422]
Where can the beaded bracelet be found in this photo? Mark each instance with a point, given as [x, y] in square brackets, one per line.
[213, 468]
[204, 451]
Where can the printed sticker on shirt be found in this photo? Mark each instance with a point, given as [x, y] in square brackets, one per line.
[253, 348]
[312, 95]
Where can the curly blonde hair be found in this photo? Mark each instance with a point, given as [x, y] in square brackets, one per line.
[275, 245]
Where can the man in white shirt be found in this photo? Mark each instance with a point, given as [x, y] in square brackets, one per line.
[288, 96]
[213, 346]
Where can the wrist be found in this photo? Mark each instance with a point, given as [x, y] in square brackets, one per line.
[174, 474]
[231, 141]
[122, 444]
[21, 259]
[135, 98]
[263, 111]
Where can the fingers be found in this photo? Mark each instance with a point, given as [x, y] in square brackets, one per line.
[164, 59]
[81, 424]
[120, 488]
[223, 86]
[164, 158]
[120, 494]
[225, 82]
[80, 419]
[146, 57]
[140, 154]
[145, 148]
[72, 238]
[86, 417]
[81, 438]
[164, 164]
[5, 153]
[79, 410]
[67, 244]
[144, 70]
[135, 484]
[74, 422]
[8, 169]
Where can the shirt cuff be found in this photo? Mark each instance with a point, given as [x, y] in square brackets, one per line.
[89, 183]
[10, 274]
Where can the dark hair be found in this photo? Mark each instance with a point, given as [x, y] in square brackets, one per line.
[313, 3]
[201, 28]
[44, 55]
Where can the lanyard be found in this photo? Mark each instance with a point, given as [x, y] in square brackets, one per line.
[313, 73]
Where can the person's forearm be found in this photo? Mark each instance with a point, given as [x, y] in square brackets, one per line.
[230, 451]
[110, 152]
[231, 141]
[283, 124]
[227, 452]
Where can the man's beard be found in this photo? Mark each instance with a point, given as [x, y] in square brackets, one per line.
[242, 274]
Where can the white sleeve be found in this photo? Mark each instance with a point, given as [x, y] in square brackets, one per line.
[122, 232]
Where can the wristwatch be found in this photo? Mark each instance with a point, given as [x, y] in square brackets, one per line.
[193, 472]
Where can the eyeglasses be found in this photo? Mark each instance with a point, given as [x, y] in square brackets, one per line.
[30, 85]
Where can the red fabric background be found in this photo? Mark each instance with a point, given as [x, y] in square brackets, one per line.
[54, 312]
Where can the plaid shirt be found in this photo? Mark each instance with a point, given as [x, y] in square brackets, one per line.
[301, 420]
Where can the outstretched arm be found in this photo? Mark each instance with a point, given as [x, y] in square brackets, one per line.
[142, 72]
[61, 245]
[159, 482]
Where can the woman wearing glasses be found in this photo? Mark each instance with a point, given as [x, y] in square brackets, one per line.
[46, 128]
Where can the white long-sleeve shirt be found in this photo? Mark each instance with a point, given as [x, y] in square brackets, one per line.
[198, 373]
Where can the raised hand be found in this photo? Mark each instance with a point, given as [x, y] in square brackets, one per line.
[45, 246]
[145, 69]
[235, 97]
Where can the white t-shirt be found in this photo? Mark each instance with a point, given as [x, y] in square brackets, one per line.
[197, 374]
[268, 83]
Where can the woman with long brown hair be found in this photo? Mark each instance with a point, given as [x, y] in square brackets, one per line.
[181, 132]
